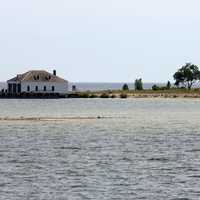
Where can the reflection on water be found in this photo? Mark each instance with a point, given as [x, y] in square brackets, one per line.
[143, 149]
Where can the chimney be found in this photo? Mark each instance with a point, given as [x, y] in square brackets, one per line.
[54, 72]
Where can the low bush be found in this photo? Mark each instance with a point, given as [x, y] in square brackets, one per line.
[155, 87]
[113, 96]
[84, 95]
[93, 96]
[123, 96]
[104, 95]
[125, 87]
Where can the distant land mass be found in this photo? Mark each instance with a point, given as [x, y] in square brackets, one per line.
[3, 85]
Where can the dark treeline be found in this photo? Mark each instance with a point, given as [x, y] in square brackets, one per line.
[32, 95]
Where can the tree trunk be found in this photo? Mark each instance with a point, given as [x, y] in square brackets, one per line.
[190, 85]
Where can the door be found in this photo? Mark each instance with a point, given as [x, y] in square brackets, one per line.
[19, 88]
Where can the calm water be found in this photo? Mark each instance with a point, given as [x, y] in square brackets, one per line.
[108, 86]
[145, 149]
[98, 86]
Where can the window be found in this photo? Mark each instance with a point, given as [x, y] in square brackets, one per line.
[45, 88]
[36, 88]
[19, 88]
[10, 88]
[53, 88]
[28, 88]
[14, 88]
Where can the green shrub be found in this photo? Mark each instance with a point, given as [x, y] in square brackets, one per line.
[84, 95]
[125, 87]
[155, 87]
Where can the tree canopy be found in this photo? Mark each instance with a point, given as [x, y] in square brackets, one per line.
[187, 75]
[138, 84]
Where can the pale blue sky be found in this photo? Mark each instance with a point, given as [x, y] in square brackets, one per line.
[99, 40]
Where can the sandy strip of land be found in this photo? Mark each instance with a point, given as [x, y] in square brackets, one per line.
[178, 93]
[160, 95]
[50, 118]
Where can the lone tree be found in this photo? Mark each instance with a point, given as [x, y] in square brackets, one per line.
[187, 75]
[125, 87]
[168, 86]
[138, 84]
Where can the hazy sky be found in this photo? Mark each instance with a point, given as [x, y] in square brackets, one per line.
[99, 40]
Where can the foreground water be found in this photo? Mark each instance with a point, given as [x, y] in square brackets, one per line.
[142, 149]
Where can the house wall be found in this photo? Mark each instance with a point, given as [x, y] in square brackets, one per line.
[59, 87]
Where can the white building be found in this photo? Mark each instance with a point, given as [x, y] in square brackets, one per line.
[37, 81]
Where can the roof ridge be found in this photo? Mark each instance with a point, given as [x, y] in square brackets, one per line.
[39, 76]
[26, 74]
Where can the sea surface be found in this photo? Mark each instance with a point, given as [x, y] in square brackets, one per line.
[81, 149]
[108, 86]
[98, 86]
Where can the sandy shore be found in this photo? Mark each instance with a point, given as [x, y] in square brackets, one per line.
[139, 94]
[163, 95]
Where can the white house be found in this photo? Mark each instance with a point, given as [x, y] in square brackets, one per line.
[37, 81]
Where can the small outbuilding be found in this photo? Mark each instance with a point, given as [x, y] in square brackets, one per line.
[37, 81]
